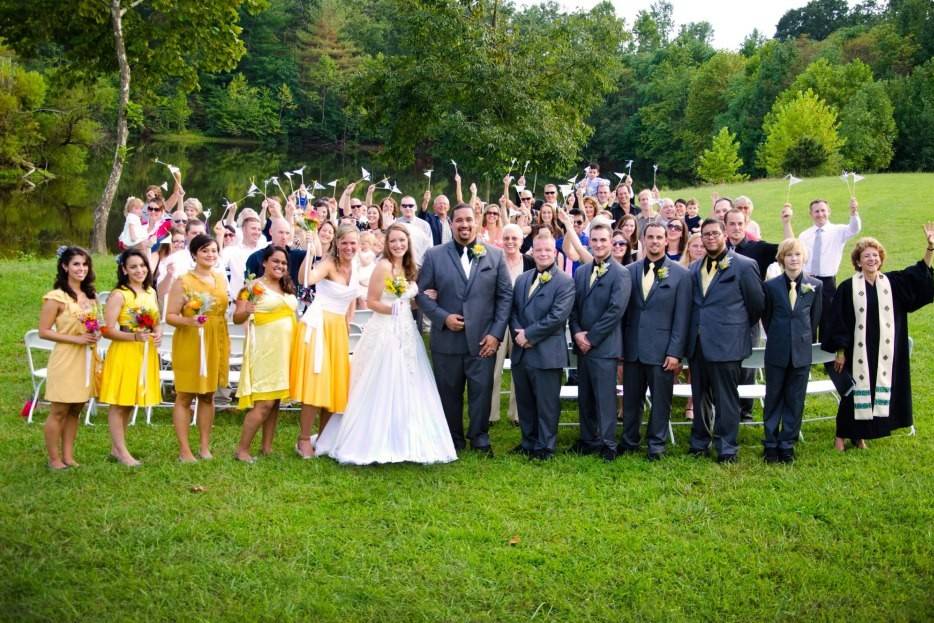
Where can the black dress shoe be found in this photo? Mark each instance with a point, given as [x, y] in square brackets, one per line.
[608, 454]
[745, 416]
[655, 456]
[521, 450]
[726, 458]
[579, 447]
[697, 453]
[786, 456]
[542, 455]
[620, 450]
[771, 455]
[486, 451]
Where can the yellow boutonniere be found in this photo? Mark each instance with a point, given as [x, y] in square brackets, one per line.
[601, 270]
[724, 263]
[806, 288]
[477, 251]
[662, 273]
[544, 278]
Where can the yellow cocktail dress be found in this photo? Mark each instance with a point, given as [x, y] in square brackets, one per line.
[267, 351]
[190, 376]
[131, 369]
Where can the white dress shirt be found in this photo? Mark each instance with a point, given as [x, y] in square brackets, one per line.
[833, 239]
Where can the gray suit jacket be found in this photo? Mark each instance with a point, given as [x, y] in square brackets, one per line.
[723, 318]
[790, 330]
[657, 326]
[544, 317]
[483, 300]
[598, 310]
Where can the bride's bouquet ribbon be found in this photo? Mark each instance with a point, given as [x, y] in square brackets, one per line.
[314, 322]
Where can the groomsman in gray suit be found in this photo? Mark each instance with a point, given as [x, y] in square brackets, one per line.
[468, 321]
[655, 338]
[602, 294]
[727, 300]
[541, 304]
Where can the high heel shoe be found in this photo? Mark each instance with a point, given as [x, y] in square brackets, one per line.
[298, 449]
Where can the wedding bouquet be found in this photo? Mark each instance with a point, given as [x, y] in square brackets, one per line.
[252, 290]
[196, 305]
[397, 285]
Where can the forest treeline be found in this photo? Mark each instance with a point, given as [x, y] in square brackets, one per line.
[487, 81]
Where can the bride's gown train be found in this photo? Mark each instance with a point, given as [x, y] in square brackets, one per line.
[393, 413]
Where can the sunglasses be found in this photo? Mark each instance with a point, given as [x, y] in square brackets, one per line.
[675, 228]
[407, 205]
[528, 198]
[578, 222]
[356, 205]
[152, 209]
[620, 243]
[550, 192]
[229, 235]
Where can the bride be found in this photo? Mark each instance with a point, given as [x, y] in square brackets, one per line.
[393, 413]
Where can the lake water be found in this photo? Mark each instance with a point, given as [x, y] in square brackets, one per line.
[61, 211]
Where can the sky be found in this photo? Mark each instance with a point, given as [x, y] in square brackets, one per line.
[732, 20]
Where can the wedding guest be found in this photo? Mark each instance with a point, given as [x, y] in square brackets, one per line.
[131, 369]
[744, 205]
[677, 239]
[868, 331]
[280, 235]
[541, 304]
[193, 209]
[727, 302]
[69, 310]
[629, 226]
[602, 293]
[792, 311]
[647, 213]
[824, 242]
[373, 218]
[655, 339]
[492, 230]
[320, 366]
[516, 263]
[621, 251]
[158, 222]
[264, 375]
[468, 322]
[693, 250]
[394, 412]
[236, 254]
[691, 215]
[592, 180]
[419, 229]
[438, 220]
[604, 196]
[200, 346]
[622, 206]
[134, 233]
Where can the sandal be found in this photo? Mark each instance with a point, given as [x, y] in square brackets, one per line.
[298, 449]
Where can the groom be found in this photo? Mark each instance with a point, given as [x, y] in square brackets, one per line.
[468, 322]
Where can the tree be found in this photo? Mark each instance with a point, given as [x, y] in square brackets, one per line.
[801, 132]
[867, 125]
[817, 19]
[913, 97]
[721, 162]
[157, 39]
[707, 96]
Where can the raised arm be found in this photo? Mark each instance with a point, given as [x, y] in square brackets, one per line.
[458, 192]
[786, 222]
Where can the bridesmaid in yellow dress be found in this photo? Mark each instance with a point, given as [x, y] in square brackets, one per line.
[200, 346]
[131, 370]
[320, 370]
[264, 376]
[67, 313]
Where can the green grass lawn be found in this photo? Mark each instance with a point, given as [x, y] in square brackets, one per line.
[833, 537]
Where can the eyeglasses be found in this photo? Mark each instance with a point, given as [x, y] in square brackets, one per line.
[229, 235]
[550, 192]
[153, 209]
[675, 227]
[620, 243]
[407, 205]
[527, 198]
[712, 234]
[578, 222]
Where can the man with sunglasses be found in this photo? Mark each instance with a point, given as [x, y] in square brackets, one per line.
[419, 229]
[551, 197]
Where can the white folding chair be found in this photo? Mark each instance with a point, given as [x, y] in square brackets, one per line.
[361, 316]
[37, 375]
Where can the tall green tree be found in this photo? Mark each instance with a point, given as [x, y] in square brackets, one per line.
[801, 137]
[913, 99]
[148, 39]
[721, 162]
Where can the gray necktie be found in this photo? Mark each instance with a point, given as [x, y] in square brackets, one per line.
[815, 253]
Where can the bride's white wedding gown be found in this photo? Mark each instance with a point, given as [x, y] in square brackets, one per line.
[393, 413]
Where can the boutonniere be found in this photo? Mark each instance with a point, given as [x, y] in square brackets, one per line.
[544, 278]
[806, 288]
[601, 269]
[662, 273]
[476, 252]
[724, 263]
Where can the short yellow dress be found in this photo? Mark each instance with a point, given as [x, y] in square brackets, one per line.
[267, 351]
[320, 371]
[131, 369]
[186, 343]
[70, 378]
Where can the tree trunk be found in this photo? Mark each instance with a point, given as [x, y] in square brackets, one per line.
[102, 211]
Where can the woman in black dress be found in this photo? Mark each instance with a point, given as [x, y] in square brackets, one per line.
[869, 334]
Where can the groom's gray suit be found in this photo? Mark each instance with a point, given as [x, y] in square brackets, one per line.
[483, 300]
